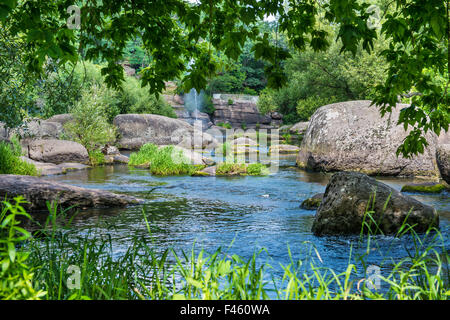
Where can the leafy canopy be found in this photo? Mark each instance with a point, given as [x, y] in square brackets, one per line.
[180, 36]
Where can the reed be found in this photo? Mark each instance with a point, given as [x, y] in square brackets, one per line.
[37, 266]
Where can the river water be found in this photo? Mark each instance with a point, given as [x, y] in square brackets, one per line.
[239, 214]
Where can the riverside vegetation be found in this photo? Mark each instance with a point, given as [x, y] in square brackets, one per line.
[35, 265]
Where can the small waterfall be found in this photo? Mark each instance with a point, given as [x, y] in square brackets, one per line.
[193, 102]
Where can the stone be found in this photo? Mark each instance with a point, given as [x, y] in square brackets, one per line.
[38, 129]
[443, 161]
[352, 136]
[312, 203]
[244, 141]
[62, 118]
[283, 148]
[138, 129]
[299, 128]
[49, 169]
[57, 151]
[208, 172]
[348, 196]
[38, 191]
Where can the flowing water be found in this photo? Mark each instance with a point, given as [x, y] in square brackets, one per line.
[239, 214]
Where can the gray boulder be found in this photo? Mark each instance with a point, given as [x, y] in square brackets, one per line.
[38, 129]
[443, 161]
[38, 191]
[353, 136]
[349, 194]
[62, 119]
[57, 151]
[138, 129]
[299, 128]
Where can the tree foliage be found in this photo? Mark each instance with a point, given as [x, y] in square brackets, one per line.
[179, 37]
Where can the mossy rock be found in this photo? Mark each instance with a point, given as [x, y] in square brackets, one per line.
[424, 187]
[312, 203]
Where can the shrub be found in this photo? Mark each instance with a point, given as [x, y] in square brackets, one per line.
[224, 125]
[257, 169]
[96, 157]
[231, 169]
[230, 102]
[165, 161]
[10, 162]
[307, 107]
[90, 126]
[266, 102]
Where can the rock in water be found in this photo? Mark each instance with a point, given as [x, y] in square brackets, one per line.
[138, 129]
[349, 194]
[312, 203]
[38, 191]
[352, 136]
[443, 161]
[57, 151]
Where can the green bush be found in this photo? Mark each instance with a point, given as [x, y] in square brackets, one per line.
[10, 162]
[63, 89]
[257, 169]
[165, 161]
[266, 102]
[307, 107]
[224, 125]
[90, 126]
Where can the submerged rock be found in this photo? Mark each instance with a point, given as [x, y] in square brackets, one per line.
[38, 191]
[49, 169]
[312, 203]
[443, 161]
[350, 194]
[352, 136]
[284, 148]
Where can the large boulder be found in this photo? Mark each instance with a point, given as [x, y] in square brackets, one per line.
[443, 161]
[349, 194]
[57, 151]
[62, 119]
[38, 191]
[353, 136]
[138, 129]
[38, 129]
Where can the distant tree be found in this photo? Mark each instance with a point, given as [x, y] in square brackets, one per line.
[178, 34]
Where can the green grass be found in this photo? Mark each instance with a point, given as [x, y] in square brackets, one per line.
[165, 161]
[431, 188]
[37, 267]
[10, 162]
[224, 125]
[233, 169]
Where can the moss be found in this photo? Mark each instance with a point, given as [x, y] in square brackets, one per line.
[312, 203]
[424, 188]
